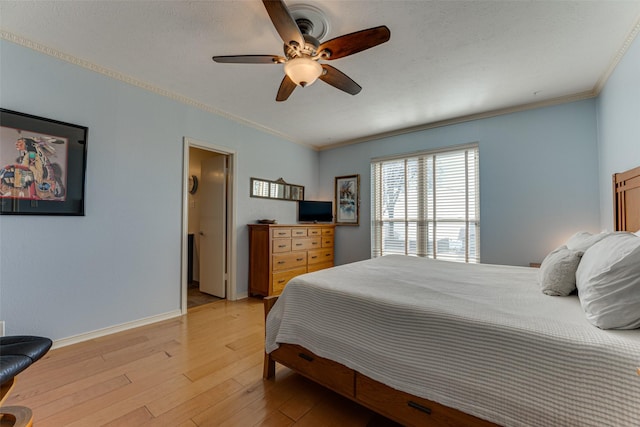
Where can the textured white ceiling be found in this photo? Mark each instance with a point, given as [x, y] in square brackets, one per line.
[445, 59]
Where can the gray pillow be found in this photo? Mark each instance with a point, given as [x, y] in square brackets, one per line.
[583, 240]
[557, 275]
[608, 280]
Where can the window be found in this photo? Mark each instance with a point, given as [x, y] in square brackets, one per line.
[427, 204]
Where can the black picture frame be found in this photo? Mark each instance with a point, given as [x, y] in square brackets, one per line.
[347, 200]
[42, 165]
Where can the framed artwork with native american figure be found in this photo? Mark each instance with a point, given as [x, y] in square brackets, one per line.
[42, 165]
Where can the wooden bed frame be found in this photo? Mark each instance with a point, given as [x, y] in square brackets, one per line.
[399, 406]
[402, 407]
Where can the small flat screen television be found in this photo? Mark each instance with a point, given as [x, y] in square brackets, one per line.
[315, 211]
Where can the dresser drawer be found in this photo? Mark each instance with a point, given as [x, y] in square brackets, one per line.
[280, 245]
[327, 241]
[280, 232]
[327, 231]
[323, 371]
[299, 232]
[305, 243]
[288, 260]
[320, 256]
[314, 231]
[320, 266]
[280, 280]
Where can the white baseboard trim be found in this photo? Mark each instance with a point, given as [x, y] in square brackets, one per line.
[113, 329]
[242, 295]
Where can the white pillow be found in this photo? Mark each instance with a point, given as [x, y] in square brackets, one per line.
[583, 240]
[557, 274]
[637, 233]
[608, 281]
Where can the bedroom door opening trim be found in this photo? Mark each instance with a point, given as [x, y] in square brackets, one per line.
[231, 240]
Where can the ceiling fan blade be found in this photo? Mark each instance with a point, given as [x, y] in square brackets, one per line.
[355, 42]
[249, 59]
[340, 80]
[286, 88]
[284, 22]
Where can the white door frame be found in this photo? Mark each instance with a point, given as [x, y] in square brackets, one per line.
[232, 264]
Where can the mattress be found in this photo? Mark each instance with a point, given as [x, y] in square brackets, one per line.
[479, 338]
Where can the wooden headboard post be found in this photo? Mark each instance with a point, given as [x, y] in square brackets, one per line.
[626, 200]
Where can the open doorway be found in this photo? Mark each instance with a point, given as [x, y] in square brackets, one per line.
[208, 261]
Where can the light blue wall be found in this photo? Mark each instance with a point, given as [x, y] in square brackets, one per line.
[538, 179]
[63, 276]
[619, 127]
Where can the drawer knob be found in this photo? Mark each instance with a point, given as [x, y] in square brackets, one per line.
[314, 257]
[281, 281]
[299, 259]
[281, 262]
[282, 246]
[305, 357]
[327, 254]
[419, 407]
[298, 244]
[314, 243]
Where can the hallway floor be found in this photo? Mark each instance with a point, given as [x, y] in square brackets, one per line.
[196, 298]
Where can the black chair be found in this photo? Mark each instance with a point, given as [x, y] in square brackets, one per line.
[17, 353]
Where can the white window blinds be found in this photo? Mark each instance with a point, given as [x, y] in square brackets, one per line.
[427, 204]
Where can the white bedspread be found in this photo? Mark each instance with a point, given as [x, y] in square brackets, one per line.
[479, 338]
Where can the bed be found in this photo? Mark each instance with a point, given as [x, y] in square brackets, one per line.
[430, 343]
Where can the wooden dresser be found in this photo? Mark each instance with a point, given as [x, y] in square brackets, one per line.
[279, 252]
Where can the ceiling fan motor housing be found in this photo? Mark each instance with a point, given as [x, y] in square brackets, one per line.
[310, 19]
[310, 48]
[305, 25]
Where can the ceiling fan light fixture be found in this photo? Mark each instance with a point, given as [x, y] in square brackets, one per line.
[303, 71]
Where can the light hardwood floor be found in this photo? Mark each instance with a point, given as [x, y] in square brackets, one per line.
[201, 369]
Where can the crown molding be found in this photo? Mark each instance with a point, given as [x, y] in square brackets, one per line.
[614, 63]
[635, 30]
[462, 119]
[41, 48]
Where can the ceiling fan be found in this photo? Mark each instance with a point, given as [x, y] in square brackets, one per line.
[302, 52]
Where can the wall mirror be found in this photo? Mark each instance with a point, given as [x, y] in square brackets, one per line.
[278, 189]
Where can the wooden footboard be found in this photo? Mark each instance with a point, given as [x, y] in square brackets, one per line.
[399, 406]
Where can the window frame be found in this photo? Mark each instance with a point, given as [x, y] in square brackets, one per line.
[427, 220]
